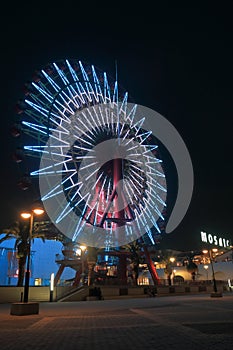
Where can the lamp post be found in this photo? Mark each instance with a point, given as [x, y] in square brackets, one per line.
[83, 248]
[169, 269]
[206, 268]
[27, 215]
[212, 267]
[174, 275]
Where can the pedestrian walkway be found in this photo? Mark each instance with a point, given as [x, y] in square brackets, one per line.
[173, 322]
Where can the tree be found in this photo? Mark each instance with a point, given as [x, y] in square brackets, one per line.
[192, 269]
[20, 232]
[164, 257]
[136, 258]
[168, 272]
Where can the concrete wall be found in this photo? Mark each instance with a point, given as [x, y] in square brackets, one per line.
[13, 294]
[42, 294]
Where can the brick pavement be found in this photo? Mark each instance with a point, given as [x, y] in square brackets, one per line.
[172, 322]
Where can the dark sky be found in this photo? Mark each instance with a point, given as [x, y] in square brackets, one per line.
[174, 59]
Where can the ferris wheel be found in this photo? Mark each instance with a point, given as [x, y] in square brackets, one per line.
[100, 176]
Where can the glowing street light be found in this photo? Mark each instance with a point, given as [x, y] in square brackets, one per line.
[172, 259]
[29, 215]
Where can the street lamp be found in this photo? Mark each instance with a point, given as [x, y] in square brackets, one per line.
[27, 215]
[212, 267]
[83, 248]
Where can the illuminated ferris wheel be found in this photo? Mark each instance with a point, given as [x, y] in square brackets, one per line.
[100, 176]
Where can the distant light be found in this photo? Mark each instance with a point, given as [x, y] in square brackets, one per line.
[83, 248]
[78, 251]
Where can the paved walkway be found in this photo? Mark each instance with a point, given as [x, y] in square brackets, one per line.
[189, 322]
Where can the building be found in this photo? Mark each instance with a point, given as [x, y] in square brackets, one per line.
[43, 262]
[47, 256]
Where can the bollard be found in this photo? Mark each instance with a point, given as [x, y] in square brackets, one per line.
[51, 296]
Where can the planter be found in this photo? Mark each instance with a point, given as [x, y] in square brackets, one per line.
[216, 295]
[21, 309]
[92, 298]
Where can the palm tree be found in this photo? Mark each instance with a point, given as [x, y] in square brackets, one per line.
[20, 232]
[164, 257]
[136, 258]
[192, 268]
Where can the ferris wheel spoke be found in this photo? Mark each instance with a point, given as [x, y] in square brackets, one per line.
[56, 87]
[150, 148]
[157, 197]
[155, 184]
[88, 126]
[131, 115]
[68, 208]
[82, 139]
[90, 113]
[138, 175]
[123, 106]
[144, 136]
[81, 148]
[152, 219]
[43, 111]
[61, 74]
[89, 86]
[154, 208]
[81, 223]
[40, 149]
[81, 93]
[107, 91]
[138, 125]
[98, 90]
[51, 169]
[154, 172]
[90, 165]
[129, 196]
[52, 193]
[152, 160]
[43, 92]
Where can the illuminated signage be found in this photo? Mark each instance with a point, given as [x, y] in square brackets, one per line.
[213, 239]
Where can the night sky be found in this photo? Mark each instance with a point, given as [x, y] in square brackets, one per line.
[174, 59]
